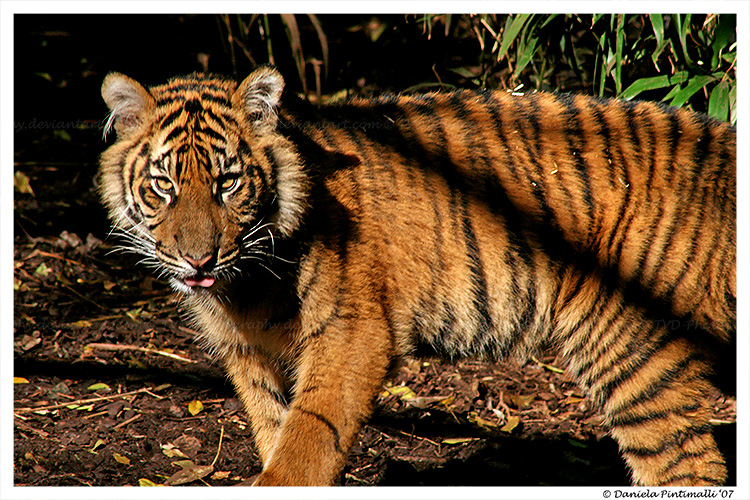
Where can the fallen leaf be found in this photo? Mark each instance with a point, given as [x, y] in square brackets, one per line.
[101, 386]
[218, 475]
[99, 443]
[20, 380]
[475, 419]
[403, 391]
[172, 451]
[573, 399]
[121, 458]
[511, 424]
[190, 472]
[80, 324]
[195, 407]
[42, 270]
[546, 366]
[147, 482]
[458, 440]
[520, 401]
[21, 183]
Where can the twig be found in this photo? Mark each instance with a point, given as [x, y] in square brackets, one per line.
[84, 401]
[221, 438]
[26, 427]
[122, 424]
[119, 347]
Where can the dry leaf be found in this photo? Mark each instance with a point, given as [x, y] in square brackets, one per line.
[404, 392]
[511, 424]
[475, 419]
[147, 482]
[20, 380]
[218, 475]
[121, 458]
[190, 472]
[21, 183]
[80, 324]
[172, 451]
[195, 407]
[520, 401]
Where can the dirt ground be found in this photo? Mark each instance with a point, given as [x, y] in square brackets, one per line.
[112, 389]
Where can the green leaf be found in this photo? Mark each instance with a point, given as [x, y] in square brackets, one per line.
[693, 85]
[725, 28]
[458, 440]
[619, 44]
[657, 23]
[718, 103]
[509, 34]
[99, 387]
[654, 82]
[525, 58]
[683, 26]
[42, 270]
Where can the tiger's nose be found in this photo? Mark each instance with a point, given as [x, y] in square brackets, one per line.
[205, 263]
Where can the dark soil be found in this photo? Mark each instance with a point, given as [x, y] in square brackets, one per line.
[112, 389]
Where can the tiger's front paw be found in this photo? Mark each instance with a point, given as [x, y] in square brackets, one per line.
[269, 478]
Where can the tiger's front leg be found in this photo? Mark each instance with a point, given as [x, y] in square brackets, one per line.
[341, 369]
[260, 386]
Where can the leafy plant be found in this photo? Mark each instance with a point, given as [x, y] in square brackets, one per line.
[681, 59]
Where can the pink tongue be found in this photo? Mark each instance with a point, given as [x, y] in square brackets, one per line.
[205, 282]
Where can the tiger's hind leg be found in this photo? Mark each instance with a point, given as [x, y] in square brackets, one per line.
[652, 387]
[659, 415]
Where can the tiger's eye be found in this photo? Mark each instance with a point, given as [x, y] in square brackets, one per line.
[229, 184]
[163, 185]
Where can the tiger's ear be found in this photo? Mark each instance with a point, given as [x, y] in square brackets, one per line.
[258, 95]
[127, 101]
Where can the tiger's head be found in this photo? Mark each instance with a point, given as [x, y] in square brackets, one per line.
[199, 180]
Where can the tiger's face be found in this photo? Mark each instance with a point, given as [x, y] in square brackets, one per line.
[193, 182]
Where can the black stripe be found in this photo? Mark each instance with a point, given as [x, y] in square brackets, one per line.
[674, 442]
[623, 420]
[623, 227]
[574, 133]
[327, 423]
[667, 379]
[479, 282]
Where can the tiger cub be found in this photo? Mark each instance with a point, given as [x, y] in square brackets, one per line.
[313, 247]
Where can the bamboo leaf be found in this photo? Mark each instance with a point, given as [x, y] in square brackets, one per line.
[657, 23]
[693, 85]
[655, 82]
[718, 103]
[509, 35]
[619, 44]
[725, 28]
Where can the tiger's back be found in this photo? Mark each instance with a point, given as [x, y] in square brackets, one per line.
[462, 224]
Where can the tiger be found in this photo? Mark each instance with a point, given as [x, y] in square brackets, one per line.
[315, 246]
